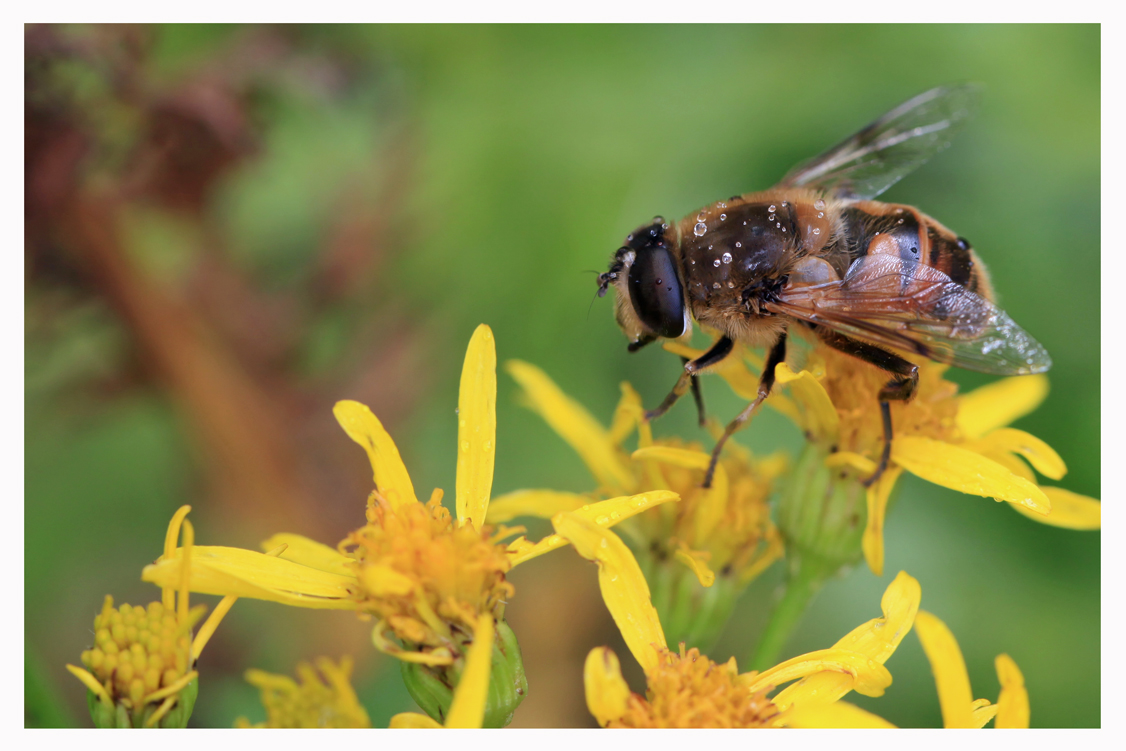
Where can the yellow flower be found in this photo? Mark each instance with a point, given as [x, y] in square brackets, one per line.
[141, 669]
[959, 442]
[725, 529]
[324, 698]
[686, 689]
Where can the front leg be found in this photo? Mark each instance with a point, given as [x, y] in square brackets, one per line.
[900, 388]
[716, 354]
[776, 355]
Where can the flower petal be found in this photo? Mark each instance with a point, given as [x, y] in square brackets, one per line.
[713, 503]
[1069, 510]
[862, 464]
[412, 721]
[841, 714]
[245, 573]
[965, 471]
[604, 513]
[311, 553]
[468, 707]
[574, 425]
[864, 675]
[623, 586]
[1010, 440]
[949, 670]
[542, 504]
[694, 560]
[607, 693]
[629, 414]
[766, 555]
[363, 427]
[878, 639]
[873, 540]
[1000, 403]
[1012, 704]
[476, 427]
[819, 416]
[439, 656]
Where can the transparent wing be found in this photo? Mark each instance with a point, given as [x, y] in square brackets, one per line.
[868, 163]
[889, 302]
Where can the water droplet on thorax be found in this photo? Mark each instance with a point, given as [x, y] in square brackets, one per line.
[700, 229]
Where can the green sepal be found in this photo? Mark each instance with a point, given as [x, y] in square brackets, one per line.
[119, 716]
[433, 687]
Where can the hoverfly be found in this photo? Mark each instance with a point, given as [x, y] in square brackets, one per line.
[874, 280]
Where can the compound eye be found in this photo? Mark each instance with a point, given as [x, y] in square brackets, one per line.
[654, 290]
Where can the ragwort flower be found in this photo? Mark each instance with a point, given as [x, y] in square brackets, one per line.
[426, 576]
[141, 670]
[686, 689]
[322, 697]
[698, 554]
[957, 441]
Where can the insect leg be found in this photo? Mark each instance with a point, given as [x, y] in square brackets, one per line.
[776, 355]
[719, 350]
[698, 395]
[905, 378]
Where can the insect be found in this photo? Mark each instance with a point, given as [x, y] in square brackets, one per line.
[879, 281]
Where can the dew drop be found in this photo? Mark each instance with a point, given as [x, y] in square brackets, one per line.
[603, 519]
[778, 224]
[820, 214]
[772, 217]
[605, 543]
[488, 446]
[615, 515]
[817, 230]
[722, 217]
[738, 245]
[461, 423]
[722, 205]
[772, 208]
[731, 285]
[700, 229]
[715, 262]
[899, 221]
[818, 204]
[701, 216]
[727, 258]
[465, 445]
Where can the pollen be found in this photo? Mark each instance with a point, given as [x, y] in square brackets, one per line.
[854, 387]
[423, 573]
[688, 690]
[138, 651]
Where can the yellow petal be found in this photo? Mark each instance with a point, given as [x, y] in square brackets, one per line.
[245, 573]
[949, 669]
[629, 414]
[862, 464]
[1000, 403]
[982, 714]
[865, 675]
[476, 427]
[963, 470]
[1039, 454]
[384, 581]
[839, 714]
[468, 707]
[820, 416]
[773, 550]
[623, 586]
[439, 656]
[713, 503]
[93, 684]
[310, 553]
[363, 427]
[694, 560]
[542, 504]
[412, 721]
[1012, 704]
[1069, 510]
[873, 540]
[607, 693]
[878, 639]
[574, 424]
[604, 513]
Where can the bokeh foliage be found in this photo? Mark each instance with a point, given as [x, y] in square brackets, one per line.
[530, 153]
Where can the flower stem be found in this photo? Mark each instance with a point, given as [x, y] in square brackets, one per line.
[797, 592]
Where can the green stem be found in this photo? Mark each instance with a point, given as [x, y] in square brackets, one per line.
[797, 593]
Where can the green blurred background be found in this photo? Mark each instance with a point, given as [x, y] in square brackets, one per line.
[230, 228]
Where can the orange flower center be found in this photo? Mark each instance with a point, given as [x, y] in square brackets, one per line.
[424, 573]
[688, 690]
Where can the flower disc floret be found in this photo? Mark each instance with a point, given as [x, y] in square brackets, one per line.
[688, 690]
[423, 573]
